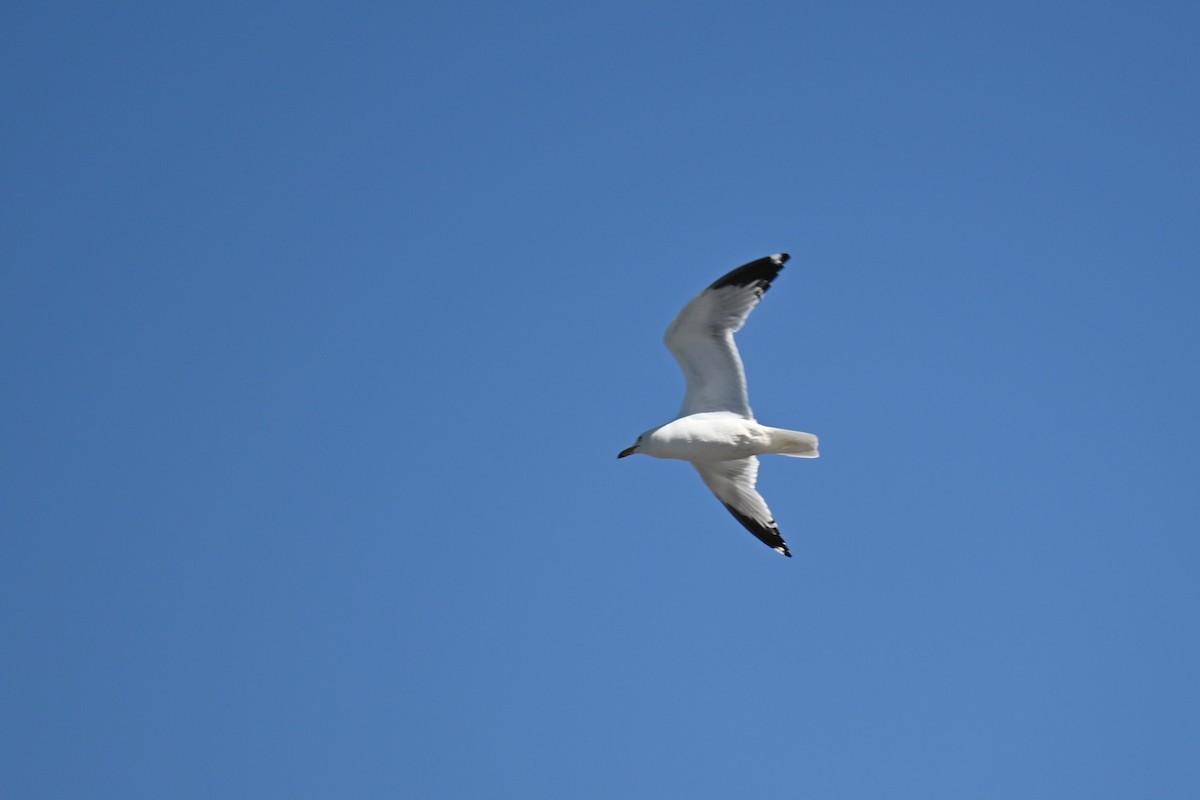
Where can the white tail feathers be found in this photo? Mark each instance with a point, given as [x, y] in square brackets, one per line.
[793, 443]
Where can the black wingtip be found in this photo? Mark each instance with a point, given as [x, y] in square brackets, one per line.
[758, 273]
[768, 533]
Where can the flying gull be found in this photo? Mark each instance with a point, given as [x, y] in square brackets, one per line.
[716, 429]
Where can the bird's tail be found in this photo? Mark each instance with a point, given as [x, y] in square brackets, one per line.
[793, 443]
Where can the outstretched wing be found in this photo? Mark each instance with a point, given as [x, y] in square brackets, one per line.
[733, 484]
[701, 338]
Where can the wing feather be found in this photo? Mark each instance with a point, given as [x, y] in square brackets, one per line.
[701, 338]
[733, 484]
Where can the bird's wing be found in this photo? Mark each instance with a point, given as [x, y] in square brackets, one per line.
[701, 338]
[733, 484]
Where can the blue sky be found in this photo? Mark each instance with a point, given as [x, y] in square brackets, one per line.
[322, 325]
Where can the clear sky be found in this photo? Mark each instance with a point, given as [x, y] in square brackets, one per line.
[322, 325]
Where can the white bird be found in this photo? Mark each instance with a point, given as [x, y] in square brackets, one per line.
[716, 429]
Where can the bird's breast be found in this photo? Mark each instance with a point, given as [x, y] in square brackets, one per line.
[709, 437]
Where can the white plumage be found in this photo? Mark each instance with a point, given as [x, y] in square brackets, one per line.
[716, 429]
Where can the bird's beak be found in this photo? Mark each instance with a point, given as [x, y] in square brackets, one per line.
[628, 451]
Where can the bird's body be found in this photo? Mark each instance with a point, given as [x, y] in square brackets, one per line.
[716, 430]
[722, 436]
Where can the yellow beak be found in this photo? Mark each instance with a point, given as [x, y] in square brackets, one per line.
[628, 451]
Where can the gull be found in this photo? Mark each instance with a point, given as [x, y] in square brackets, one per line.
[715, 428]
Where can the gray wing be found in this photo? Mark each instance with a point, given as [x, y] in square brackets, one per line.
[733, 484]
[701, 338]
